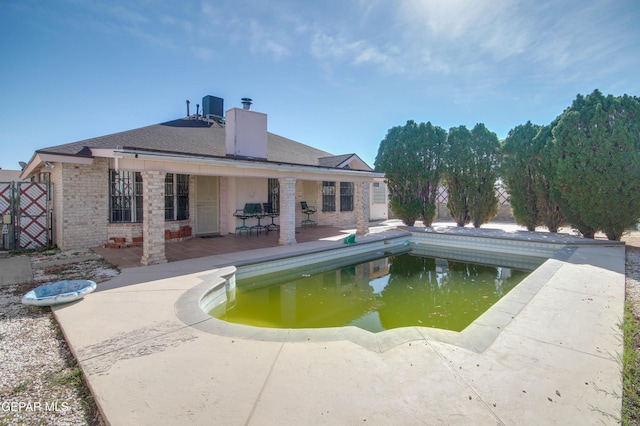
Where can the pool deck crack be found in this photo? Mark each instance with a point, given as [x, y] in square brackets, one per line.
[469, 386]
[264, 385]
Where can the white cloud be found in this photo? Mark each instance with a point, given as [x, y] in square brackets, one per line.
[203, 53]
[183, 25]
[555, 36]
[499, 30]
[265, 40]
[262, 32]
[126, 15]
[416, 38]
[325, 47]
[370, 54]
[211, 14]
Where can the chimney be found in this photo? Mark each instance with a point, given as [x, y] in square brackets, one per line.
[197, 110]
[246, 132]
[188, 107]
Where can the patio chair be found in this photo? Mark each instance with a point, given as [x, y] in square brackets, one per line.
[308, 210]
[267, 208]
[255, 210]
[240, 214]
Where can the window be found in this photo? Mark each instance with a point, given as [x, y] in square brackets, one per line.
[328, 196]
[176, 197]
[346, 196]
[125, 196]
[274, 194]
[379, 193]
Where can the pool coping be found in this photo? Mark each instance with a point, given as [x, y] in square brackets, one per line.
[192, 307]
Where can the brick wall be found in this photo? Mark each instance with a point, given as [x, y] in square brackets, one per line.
[128, 231]
[289, 193]
[361, 204]
[153, 218]
[336, 218]
[81, 204]
[56, 188]
[130, 234]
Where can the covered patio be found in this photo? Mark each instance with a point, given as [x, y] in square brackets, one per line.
[198, 247]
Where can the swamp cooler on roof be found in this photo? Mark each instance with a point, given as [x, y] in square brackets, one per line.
[212, 105]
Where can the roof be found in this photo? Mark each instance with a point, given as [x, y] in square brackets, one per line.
[9, 175]
[334, 160]
[197, 137]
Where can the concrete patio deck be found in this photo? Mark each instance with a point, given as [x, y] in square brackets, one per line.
[554, 362]
[196, 247]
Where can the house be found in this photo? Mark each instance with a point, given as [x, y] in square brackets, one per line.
[189, 176]
[9, 175]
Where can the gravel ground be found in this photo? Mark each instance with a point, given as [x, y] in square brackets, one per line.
[633, 271]
[40, 381]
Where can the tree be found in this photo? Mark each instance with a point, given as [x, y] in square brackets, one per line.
[549, 212]
[431, 145]
[470, 174]
[596, 145]
[457, 174]
[521, 174]
[483, 202]
[410, 157]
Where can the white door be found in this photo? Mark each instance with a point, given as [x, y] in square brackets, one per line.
[207, 205]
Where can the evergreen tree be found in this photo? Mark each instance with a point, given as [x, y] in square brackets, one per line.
[410, 157]
[458, 173]
[470, 174]
[483, 201]
[430, 149]
[549, 212]
[596, 145]
[521, 175]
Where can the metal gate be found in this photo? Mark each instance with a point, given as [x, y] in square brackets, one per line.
[25, 208]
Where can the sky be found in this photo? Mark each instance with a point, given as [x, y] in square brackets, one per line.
[333, 74]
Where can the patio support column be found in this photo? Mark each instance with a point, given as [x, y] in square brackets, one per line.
[153, 250]
[287, 211]
[362, 207]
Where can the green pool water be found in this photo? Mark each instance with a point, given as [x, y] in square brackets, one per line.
[382, 294]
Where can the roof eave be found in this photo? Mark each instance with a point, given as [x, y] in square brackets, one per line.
[243, 163]
[40, 158]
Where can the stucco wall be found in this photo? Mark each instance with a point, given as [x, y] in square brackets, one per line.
[251, 190]
[255, 190]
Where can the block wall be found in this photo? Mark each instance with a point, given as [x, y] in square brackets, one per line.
[153, 247]
[335, 218]
[81, 204]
